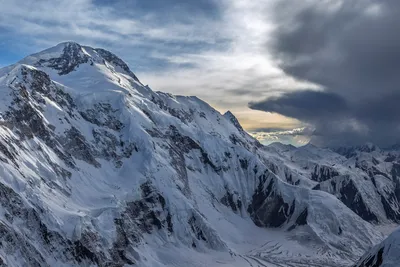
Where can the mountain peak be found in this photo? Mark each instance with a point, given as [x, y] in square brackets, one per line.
[67, 57]
[64, 57]
[69, 43]
[368, 147]
[351, 151]
[63, 45]
[229, 115]
[282, 147]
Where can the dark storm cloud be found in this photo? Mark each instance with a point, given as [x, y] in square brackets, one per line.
[303, 105]
[352, 50]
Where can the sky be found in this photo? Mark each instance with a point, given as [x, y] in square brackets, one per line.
[290, 71]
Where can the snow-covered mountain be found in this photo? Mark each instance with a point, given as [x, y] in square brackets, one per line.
[366, 178]
[386, 254]
[98, 169]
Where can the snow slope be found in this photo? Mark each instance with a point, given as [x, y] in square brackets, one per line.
[99, 170]
[385, 254]
[366, 179]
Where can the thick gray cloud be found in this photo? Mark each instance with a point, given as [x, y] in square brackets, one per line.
[350, 48]
[304, 105]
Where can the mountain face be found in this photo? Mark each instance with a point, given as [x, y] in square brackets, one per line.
[99, 170]
[384, 254]
[366, 178]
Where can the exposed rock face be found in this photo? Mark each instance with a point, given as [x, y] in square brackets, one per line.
[374, 260]
[71, 57]
[268, 208]
[323, 173]
[103, 115]
[343, 188]
[232, 200]
[301, 220]
[146, 215]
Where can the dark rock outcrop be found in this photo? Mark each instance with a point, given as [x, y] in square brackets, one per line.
[268, 208]
[71, 57]
[322, 173]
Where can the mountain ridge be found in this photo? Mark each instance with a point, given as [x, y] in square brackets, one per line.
[384, 254]
[101, 170]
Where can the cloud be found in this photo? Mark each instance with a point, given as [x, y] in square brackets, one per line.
[131, 28]
[305, 105]
[236, 74]
[209, 48]
[350, 49]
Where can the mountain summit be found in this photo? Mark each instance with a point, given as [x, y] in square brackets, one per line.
[99, 170]
[68, 56]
